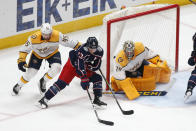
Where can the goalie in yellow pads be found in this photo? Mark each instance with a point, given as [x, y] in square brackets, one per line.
[138, 69]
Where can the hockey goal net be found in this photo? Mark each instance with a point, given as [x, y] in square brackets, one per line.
[156, 26]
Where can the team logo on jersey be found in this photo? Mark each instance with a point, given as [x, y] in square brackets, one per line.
[43, 50]
[33, 36]
[27, 43]
[65, 38]
[120, 59]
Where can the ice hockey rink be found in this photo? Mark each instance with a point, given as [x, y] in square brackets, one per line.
[72, 110]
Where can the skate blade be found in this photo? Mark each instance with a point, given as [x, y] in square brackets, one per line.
[186, 98]
[14, 94]
[40, 106]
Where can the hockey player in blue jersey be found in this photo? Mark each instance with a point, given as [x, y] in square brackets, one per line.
[82, 63]
[192, 79]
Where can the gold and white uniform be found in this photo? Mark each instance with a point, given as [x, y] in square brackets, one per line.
[123, 64]
[44, 49]
[156, 71]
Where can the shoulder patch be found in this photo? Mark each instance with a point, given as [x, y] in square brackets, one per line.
[27, 43]
[65, 38]
[34, 36]
[120, 59]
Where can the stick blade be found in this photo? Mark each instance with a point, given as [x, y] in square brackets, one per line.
[163, 93]
[110, 123]
[130, 112]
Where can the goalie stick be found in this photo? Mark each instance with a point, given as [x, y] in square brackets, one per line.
[100, 120]
[193, 2]
[123, 111]
[143, 93]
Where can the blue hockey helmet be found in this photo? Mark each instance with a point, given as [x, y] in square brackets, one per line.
[92, 42]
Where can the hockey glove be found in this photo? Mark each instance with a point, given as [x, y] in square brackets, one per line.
[84, 82]
[22, 61]
[22, 66]
[191, 61]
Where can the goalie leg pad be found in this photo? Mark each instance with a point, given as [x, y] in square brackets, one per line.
[152, 70]
[144, 84]
[114, 85]
[128, 87]
[165, 72]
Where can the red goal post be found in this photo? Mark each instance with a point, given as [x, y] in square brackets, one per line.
[156, 26]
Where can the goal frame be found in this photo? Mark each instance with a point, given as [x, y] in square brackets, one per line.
[109, 23]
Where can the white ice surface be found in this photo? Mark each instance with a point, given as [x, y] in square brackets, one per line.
[71, 109]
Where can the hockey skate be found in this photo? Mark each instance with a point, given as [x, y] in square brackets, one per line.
[43, 103]
[98, 103]
[42, 86]
[16, 90]
[188, 93]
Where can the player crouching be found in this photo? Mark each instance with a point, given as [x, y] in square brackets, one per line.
[137, 68]
[82, 63]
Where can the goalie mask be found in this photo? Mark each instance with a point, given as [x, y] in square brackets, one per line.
[128, 48]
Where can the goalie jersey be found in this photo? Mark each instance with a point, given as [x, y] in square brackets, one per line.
[44, 49]
[122, 62]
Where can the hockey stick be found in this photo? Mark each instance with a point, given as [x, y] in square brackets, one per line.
[193, 2]
[124, 112]
[101, 121]
[143, 93]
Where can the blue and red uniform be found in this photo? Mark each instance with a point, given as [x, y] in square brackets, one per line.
[192, 62]
[82, 64]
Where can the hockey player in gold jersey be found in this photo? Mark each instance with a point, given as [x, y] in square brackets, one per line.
[42, 45]
[138, 68]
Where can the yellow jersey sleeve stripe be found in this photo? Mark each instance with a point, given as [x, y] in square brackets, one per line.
[77, 46]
